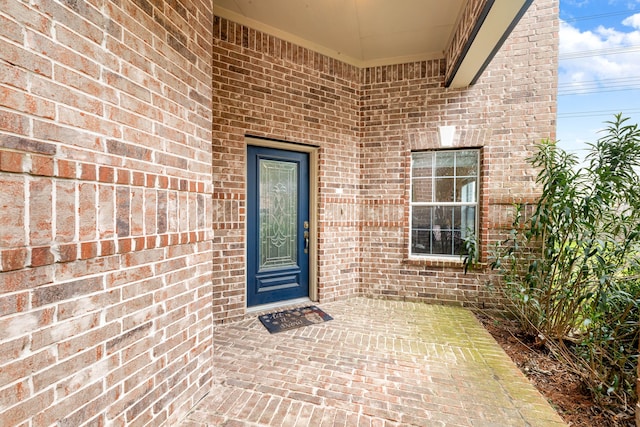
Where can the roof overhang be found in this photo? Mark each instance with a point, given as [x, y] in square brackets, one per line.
[496, 21]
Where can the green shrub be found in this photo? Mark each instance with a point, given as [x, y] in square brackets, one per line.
[570, 270]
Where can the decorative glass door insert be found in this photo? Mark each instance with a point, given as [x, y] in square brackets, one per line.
[278, 214]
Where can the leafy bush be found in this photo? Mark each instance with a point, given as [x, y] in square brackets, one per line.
[570, 269]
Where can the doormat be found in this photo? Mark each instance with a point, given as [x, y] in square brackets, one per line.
[294, 318]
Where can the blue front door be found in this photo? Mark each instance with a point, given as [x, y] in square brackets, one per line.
[277, 225]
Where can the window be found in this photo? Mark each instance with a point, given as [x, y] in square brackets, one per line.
[444, 201]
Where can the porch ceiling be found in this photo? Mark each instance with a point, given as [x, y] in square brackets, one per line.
[368, 33]
[360, 32]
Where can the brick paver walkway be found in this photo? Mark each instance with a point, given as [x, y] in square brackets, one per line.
[378, 363]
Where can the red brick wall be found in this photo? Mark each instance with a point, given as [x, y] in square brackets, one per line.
[269, 88]
[365, 123]
[512, 106]
[105, 211]
[111, 225]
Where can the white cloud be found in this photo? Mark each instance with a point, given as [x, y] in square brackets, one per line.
[605, 77]
[630, 4]
[603, 57]
[577, 3]
[633, 21]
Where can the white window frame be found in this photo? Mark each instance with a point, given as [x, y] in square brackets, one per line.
[412, 204]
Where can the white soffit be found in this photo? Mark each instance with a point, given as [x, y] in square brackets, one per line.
[359, 32]
[502, 16]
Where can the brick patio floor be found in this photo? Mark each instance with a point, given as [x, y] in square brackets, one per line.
[378, 363]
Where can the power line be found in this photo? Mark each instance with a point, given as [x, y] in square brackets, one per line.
[598, 52]
[613, 80]
[581, 114]
[599, 86]
[601, 15]
[594, 86]
[591, 91]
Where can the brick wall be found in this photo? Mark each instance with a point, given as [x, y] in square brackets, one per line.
[365, 123]
[511, 107]
[269, 88]
[111, 226]
[105, 211]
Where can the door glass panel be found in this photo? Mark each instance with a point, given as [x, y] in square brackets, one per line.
[278, 214]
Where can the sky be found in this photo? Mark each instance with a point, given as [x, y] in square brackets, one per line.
[599, 68]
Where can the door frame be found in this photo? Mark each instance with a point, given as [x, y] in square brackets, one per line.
[313, 205]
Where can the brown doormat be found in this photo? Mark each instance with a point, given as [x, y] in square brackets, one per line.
[294, 318]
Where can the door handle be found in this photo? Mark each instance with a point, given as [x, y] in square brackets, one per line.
[306, 241]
